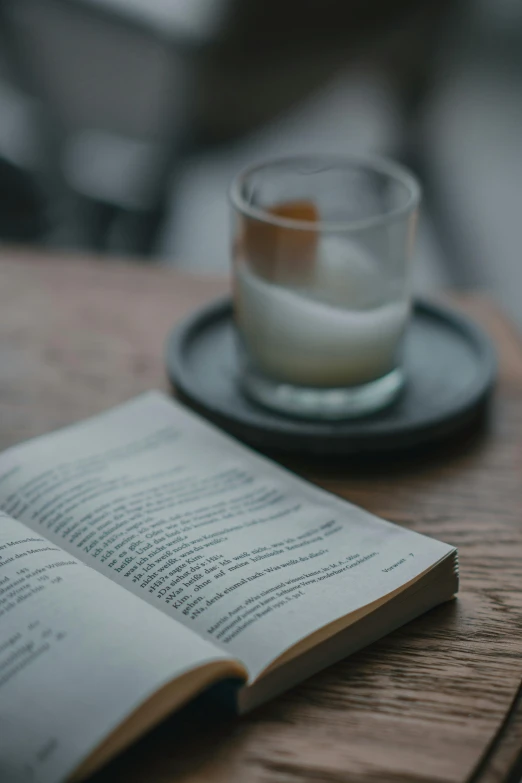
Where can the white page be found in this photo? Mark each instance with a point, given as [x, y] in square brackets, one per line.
[77, 655]
[216, 536]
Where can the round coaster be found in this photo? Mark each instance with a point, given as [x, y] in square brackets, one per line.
[450, 370]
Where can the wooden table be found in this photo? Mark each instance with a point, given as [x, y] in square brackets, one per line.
[437, 701]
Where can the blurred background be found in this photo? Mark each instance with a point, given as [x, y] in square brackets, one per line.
[123, 121]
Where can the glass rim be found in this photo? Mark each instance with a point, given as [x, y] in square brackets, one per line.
[380, 165]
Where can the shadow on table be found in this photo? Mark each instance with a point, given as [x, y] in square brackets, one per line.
[206, 735]
[399, 462]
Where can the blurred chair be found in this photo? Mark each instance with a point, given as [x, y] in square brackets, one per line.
[115, 92]
[133, 86]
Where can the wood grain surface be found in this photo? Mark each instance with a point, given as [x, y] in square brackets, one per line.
[436, 701]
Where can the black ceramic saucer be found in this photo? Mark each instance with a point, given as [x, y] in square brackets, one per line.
[450, 370]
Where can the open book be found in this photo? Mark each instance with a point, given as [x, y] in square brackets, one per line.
[145, 555]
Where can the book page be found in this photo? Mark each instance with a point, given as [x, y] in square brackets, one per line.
[77, 655]
[216, 536]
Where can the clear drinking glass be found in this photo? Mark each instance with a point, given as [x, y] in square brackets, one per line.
[322, 252]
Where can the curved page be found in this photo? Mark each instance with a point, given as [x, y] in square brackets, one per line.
[78, 655]
[217, 537]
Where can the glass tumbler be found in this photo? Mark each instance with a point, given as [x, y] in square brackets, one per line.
[322, 250]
